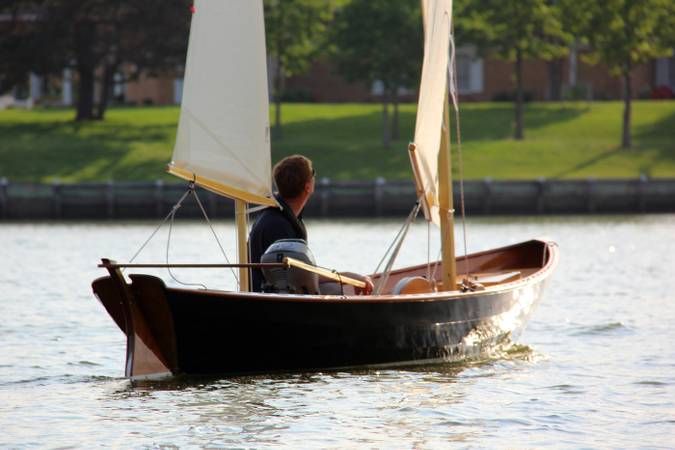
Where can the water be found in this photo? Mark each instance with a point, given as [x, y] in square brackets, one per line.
[594, 369]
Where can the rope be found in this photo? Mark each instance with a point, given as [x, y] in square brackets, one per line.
[194, 193]
[428, 250]
[168, 245]
[455, 102]
[391, 245]
[401, 237]
[170, 215]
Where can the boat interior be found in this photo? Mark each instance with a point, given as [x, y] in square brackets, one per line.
[476, 271]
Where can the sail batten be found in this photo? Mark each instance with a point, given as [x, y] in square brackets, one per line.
[223, 130]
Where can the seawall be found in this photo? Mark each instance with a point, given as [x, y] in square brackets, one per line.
[378, 198]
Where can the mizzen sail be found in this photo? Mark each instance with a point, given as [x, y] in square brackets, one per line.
[223, 134]
[437, 16]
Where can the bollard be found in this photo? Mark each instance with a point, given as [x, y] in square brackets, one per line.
[325, 192]
[641, 195]
[57, 200]
[159, 198]
[590, 183]
[487, 200]
[110, 199]
[541, 194]
[380, 184]
[4, 198]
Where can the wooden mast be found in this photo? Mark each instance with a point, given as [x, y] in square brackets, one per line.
[242, 243]
[446, 211]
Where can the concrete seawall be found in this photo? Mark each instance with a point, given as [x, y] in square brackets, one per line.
[379, 198]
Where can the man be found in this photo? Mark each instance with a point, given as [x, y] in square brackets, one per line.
[294, 177]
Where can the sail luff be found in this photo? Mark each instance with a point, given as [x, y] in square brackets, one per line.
[433, 87]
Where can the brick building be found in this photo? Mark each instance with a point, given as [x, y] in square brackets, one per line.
[479, 79]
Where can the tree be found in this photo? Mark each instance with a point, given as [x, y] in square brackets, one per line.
[623, 34]
[380, 40]
[293, 31]
[95, 37]
[513, 30]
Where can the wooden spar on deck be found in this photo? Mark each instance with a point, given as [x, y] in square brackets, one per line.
[324, 273]
[448, 262]
[242, 243]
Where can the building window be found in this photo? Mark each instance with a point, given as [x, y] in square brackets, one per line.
[469, 70]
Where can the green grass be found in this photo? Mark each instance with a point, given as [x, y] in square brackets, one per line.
[563, 140]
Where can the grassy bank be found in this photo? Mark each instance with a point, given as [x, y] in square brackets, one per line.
[569, 140]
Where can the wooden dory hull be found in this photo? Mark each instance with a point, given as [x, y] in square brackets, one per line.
[181, 331]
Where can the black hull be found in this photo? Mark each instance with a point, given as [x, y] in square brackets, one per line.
[207, 332]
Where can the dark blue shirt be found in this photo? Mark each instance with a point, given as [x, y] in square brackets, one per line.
[272, 224]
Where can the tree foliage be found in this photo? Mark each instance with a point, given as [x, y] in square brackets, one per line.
[623, 34]
[293, 32]
[513, 30]
[380, 40]
[94, 37]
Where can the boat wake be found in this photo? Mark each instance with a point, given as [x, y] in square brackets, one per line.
[600, 329]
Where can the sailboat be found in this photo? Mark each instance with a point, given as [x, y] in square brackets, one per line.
[478, 302]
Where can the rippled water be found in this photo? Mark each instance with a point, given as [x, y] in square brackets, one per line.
[595, 368]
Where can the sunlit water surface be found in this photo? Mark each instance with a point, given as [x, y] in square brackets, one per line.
[595, 368]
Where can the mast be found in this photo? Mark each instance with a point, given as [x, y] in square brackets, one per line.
[448, 262]
[431, 155]
[242, 243]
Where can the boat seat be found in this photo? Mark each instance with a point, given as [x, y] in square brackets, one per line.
[494, 278]
[412, 285]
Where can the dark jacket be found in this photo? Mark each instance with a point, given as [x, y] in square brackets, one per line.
[272, 224]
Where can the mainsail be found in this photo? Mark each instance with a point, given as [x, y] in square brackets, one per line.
[437, 16]
[223, 139]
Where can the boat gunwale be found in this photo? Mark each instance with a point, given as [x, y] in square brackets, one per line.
[550, 246]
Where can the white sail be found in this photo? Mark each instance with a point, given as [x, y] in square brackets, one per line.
[223, 133]
[437, 15]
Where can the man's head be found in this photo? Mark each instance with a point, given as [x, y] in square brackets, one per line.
[294, 177]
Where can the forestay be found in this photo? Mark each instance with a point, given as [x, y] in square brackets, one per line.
[437, 16]
[223, 139]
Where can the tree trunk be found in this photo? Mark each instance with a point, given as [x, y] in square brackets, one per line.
[626, 140]
[395, 134]
[85, 90]
[518, 130]
[555, 80]
[106, 90]
[278, 91]
[86, 65]
[386, 129]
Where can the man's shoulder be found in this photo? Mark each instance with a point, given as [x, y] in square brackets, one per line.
[270, 216]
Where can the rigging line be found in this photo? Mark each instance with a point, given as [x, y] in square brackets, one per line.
[168, 244]
[432, 278]
[194, 193]
[394, 254]
[172, 212]
[455, 102]
[428, 250]
[398, 234]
